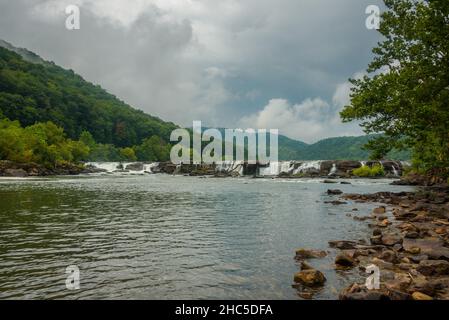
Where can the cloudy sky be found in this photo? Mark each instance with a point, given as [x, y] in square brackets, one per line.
[280, 64]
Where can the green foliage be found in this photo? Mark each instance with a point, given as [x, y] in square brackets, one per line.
[43, 143]
[153, 149]
[128, 154]
[406, 92]
[365, 171]
[41, 91]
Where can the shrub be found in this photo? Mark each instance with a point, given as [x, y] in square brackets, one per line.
[365, 171]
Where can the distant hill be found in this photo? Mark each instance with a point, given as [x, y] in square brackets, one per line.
[339, 148]
[34, 90]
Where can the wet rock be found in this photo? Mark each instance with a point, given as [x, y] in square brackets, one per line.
[336, 202]
[433, 267]
[379, 210]
[310, 278]
[377, 232]
[433, 247]
[343, 244]
[390, 239]
[412, 235]
[302, 254]
[137, 166]
[329, 181]
[421, 296]
[376, 240]
[344, 260]
[305, 266]
[389, 256]
[18, 173]
[359, 292]
[334, 192]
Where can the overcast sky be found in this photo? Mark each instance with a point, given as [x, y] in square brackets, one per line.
[280, 64]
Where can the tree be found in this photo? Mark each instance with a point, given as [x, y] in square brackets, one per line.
[128, 154]
[405, 94]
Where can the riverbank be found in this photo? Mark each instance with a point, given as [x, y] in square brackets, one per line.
[22, 170]
[409, 244]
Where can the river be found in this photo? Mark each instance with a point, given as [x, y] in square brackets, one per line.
[170, 237]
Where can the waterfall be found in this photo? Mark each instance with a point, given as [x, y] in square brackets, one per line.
[363, 163]
[333, 170]
[229, 167]
[107, 166]
[308, 166]
[395, 171]
[111, 167]
[148, 168]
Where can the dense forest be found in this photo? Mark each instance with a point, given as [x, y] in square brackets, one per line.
[42, 92]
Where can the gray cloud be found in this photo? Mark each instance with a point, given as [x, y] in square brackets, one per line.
[222, 62]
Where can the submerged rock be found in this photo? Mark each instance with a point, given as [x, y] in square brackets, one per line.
[302, 254]
[334, 192]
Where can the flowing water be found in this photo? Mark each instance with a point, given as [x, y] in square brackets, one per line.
[170, 237]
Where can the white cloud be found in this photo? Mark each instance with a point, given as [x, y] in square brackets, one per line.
[308, 121]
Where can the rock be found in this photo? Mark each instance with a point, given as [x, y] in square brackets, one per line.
[330, 181]
[305, 266]
[344, 260]
[412, 235]
[336, 202]
[343, 244]
[433, 267]
[19, 173]
[440, 231]
[433, 247]
[413, 250]
[420, 296]
[137, 166]
[376, 240]
[389, 256]
[345, 182]
[390, 239]
[377, 232]
[379, 210]
[359, 292]
[310, 278]
[302, 254]
[334, 192]
[418, 258]
[384, 223]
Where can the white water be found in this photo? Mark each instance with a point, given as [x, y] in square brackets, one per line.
[111, 167]
[308, 166]
[333, 170]
[229, 167]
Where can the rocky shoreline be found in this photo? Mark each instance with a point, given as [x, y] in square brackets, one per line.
[23, 170]
[409, 244]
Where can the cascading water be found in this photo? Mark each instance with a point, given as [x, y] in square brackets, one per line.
[229, 167]
[125, 167]
[333, 170]
[308, 166]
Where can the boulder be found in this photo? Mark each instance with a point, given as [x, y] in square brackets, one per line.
[343, 244]
[344, 260]
[334, 192]
[137, 166]
[19, 173]
[310, 278]
[379, 210]
[390, 239]
[302, 254]
[433, 267]
[421, 296]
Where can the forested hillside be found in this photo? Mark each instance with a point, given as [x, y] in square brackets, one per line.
[40, 92]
